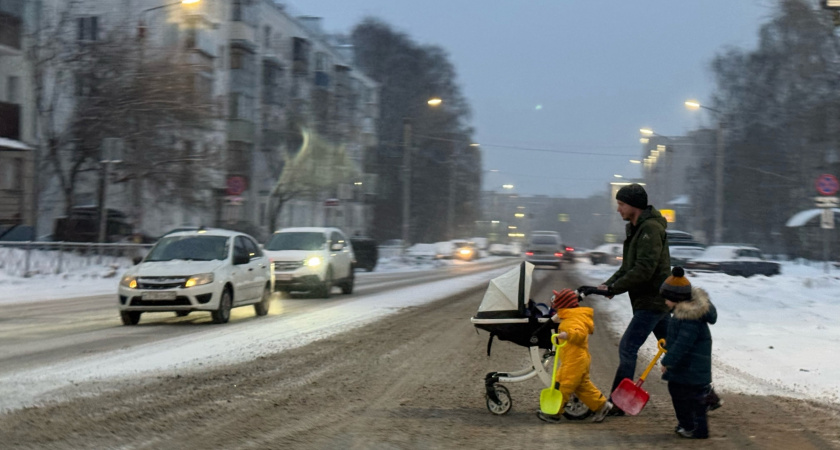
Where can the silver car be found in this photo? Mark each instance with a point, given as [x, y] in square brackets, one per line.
[545, 249]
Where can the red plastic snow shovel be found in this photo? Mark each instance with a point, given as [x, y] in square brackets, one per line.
[629, 396]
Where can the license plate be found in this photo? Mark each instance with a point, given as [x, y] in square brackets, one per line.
[283, 276]
[159, 295]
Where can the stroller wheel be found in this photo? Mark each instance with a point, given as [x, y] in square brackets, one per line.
[504, 400]
[576, 410]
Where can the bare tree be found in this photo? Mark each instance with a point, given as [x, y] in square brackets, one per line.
[102, 85]
[317, 166]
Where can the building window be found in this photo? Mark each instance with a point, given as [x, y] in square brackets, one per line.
[12, 86]
[88, 28]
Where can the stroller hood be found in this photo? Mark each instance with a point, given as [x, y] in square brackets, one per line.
[507, 295]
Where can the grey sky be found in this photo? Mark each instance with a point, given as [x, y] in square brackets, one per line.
[575, 77]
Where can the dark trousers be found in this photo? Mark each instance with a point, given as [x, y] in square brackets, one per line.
[690, 406]
[641, 325]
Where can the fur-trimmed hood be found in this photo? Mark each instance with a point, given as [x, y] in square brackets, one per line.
[700, 307]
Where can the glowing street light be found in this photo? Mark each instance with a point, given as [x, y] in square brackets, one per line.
[507, 186]
[646, 131]
[434, 101]
[719, 155]
[635, 161]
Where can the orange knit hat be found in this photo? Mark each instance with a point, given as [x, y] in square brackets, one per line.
[566, 298]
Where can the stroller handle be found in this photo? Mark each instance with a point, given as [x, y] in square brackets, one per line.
[584, 291]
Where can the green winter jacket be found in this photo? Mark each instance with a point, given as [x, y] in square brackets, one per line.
[646, 263]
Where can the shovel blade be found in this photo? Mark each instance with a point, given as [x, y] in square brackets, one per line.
[629, 397]
[551, 401]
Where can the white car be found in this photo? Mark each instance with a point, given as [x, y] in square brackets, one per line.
[202, 270]
[311, 259]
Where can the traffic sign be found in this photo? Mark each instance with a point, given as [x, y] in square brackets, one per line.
[827, 184]
[827, 202]
[235, 185]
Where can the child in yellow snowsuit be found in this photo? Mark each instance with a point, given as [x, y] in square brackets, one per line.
[576, 324]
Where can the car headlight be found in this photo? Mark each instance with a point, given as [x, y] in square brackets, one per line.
[465, 251]
[313, 261]
[129, 281]
[198, 280]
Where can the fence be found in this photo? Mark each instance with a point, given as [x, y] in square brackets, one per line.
[28, 258]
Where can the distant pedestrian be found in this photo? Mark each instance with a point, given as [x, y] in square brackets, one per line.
[645, 265]
[687, 366]
[576, 324]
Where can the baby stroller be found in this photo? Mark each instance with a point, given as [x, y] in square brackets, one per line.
[507, 313]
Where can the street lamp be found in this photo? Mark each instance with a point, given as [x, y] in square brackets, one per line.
[719, 155]
[141, 29]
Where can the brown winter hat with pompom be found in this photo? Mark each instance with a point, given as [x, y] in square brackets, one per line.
[676, 288]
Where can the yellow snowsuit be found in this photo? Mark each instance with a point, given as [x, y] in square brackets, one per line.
[573, 373]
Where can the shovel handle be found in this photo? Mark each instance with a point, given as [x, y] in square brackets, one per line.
[661, 345]
[555, 340]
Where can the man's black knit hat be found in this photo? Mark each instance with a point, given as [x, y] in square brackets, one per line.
[634, 195]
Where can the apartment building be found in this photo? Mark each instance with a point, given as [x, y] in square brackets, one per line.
[17, 132]
[267, 74]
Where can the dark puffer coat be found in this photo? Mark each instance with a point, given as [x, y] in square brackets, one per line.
[689, 341]
[646, 262]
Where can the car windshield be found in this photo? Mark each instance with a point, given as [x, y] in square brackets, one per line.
[302, 240]
[189, 248]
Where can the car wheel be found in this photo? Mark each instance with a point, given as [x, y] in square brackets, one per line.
[222, 313]
[182, 313]
[130, 317]
[347, 287]
[323, 291]
[262, 306]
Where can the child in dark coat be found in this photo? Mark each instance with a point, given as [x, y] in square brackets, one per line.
[688, 364]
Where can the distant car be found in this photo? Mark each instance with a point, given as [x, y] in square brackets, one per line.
[607, 254]
[736, 260]
[465, 250]
[505, 249]
[569, 254]
[202, 270]
[681, 254]
[544, 248]
[366, 252]
[311, 259]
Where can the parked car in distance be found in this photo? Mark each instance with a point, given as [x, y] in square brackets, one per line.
[544, 248]
[606, 254]
[681, 254]
[366, 252]
[514, 249]
[312, 259]
[201, 270]
[736, 260]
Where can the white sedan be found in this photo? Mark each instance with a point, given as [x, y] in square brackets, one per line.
[202, 270]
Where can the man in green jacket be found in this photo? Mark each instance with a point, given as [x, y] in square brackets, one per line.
[645, 265]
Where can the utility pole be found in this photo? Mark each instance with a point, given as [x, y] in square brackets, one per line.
[406, 212]
[450, 207]
[718, 233]
[111, 151]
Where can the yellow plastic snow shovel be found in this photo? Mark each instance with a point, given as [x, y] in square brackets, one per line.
[551, 399]
[629, 396]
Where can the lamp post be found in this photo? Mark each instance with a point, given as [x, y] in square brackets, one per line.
[406, 212]
[141, 28]
[719, 155]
